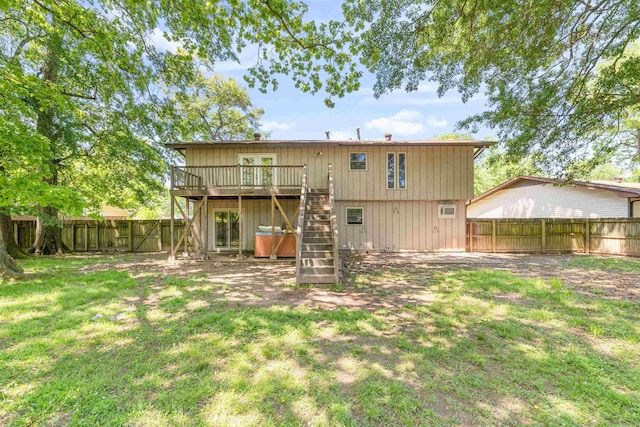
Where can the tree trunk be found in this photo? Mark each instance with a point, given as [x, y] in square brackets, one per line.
[8, 266]
[48, 233]
[6, 229]
[48, 239]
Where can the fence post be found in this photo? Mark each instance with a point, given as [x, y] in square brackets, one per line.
[159, 235]
[470, 236]
[97, 235]
[15, 233]
[587, 236]
[130, 235]
[86, 237]
[543, 225]
[493, 235]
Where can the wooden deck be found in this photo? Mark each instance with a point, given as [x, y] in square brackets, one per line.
[236, 180]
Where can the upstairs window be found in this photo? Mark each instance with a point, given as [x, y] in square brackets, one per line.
[357, 161]
[396, 171]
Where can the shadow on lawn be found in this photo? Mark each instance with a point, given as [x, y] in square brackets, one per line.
[487, 348]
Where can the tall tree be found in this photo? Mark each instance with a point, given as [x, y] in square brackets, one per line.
[215, 109]
[90, 84]
[558, 74]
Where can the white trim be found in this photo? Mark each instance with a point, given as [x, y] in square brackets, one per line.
[447, 211]
[346, 215]
[215, 235]
[396, 170]
[366, 161]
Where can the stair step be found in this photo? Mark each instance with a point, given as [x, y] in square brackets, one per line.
[316, 254]
[317, 247]
[317, 209]
[318, 279]
[317, 271]
[325, 240]
[318, 223]
[312, 234]
[318, 262]
[312, 228]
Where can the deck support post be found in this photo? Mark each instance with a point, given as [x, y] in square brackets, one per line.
[273, 227]
[204, 227]
[240, 227]
[172, 252]
[185, 251]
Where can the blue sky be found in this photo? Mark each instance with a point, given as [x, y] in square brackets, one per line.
[292, 114]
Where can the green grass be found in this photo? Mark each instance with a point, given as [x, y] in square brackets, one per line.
[604, 263]
[489, 348]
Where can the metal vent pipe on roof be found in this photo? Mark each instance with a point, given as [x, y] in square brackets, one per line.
[358, 132]
[257, 136]
[327, 133]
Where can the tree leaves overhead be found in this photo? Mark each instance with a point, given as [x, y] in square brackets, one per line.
[557, 74]
[215, 109]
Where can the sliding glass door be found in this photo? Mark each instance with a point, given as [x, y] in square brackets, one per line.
[227, 229]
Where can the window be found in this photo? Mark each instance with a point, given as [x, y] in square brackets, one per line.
[355, 216]
[446, 211]
[257, 170]
[396, 171]
[357, 161]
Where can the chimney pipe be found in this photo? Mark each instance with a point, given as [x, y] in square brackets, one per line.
[358, 132]
[387, 136]
[327, 133]
[257, 136]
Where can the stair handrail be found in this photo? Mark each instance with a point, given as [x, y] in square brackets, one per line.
[334, 226]
[300, 226]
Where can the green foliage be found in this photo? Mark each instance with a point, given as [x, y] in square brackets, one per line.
[88, 100]
[215, 109]
[558, 75]
[495, 166]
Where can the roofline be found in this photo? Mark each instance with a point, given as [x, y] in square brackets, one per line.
[627, 192]
[294, 143]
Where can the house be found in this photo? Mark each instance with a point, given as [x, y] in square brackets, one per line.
[365, 195]
[535, 197]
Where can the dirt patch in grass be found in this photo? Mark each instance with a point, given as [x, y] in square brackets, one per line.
[263, 283]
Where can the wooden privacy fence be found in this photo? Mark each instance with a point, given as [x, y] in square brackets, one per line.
[109, 235]
[619, 236]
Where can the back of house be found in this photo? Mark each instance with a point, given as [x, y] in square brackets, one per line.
[389, 195]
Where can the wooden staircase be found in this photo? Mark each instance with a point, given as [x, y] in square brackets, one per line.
[318, 262]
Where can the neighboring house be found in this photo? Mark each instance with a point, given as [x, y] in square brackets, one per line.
[387, 195]
[534, 197]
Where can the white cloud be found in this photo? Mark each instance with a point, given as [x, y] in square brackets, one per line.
[405, 123]
[437, 123]
[270, 126]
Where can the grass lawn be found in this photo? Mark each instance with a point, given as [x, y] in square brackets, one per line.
[484, 347]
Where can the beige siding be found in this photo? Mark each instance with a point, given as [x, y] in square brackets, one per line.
[254, 213]
[549, 201]
[393, 226]
[433, 173]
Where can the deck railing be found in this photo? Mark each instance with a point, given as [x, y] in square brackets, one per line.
[235, 177]
[334, 226]
[300, 226]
